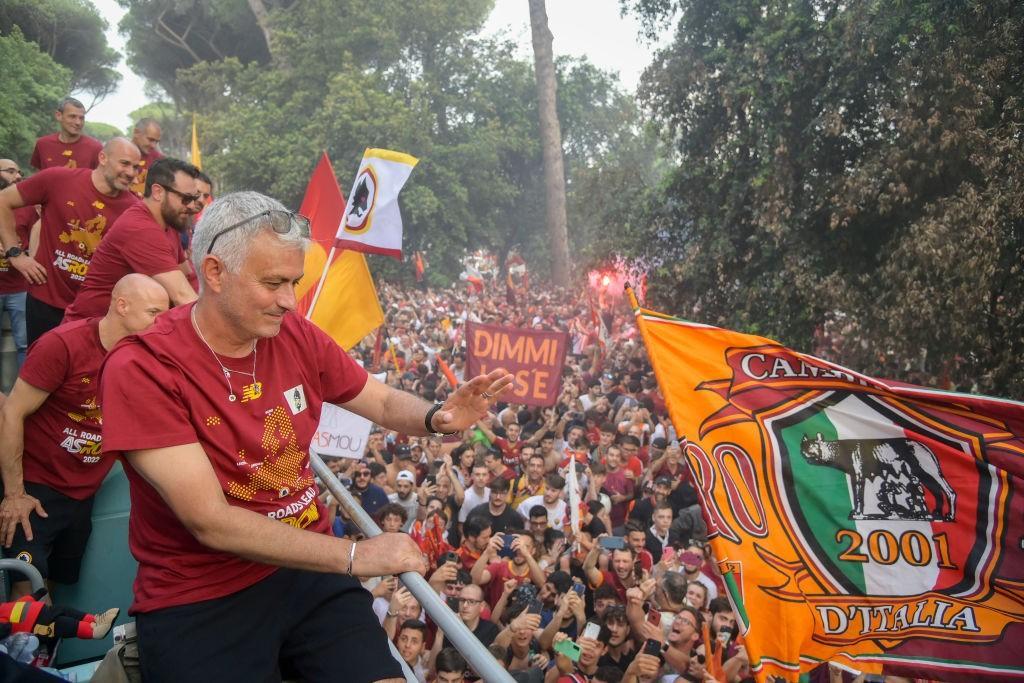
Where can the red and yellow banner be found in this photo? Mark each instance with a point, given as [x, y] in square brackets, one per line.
[534, 357]
[348, 308]
[870, 523]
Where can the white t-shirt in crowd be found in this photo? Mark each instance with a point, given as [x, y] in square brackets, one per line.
[556, 512]
[471, 500]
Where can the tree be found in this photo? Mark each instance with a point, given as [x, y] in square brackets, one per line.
[167, 35]
[102, 131]
[413, 77]
[551, 143]
[30, 94]
[840, 169]
[72, 33]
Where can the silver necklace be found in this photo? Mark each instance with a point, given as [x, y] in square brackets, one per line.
[227, 373]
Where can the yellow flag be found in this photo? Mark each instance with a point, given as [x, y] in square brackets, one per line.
[197, 155]
[347, 309]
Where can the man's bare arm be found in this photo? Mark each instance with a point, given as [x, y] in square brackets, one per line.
[11, 199]
[17, 505]
[184, 478]
[178, 289]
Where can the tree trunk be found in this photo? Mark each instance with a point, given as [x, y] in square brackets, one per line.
[259, 10]
[551, 144]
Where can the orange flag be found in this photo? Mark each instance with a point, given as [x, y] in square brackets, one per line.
[348, 308]
[856, 520]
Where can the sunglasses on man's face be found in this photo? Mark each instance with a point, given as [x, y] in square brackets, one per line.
[364, 473]
[186, 199]
[280, 221]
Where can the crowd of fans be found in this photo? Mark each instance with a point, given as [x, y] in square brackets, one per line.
[633, 595]
[613, 581]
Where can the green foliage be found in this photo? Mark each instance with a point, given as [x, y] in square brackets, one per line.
[72, 33]
[847, 179]
[102, 131]
[167, 35]
[414, 77]
[30, 94]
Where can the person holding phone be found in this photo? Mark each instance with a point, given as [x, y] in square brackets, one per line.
[621, 576]
[492, 572]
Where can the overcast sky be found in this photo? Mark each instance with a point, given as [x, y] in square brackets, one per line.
[580, 27]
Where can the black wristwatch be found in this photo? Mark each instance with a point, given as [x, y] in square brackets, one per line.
[13, 252]
[427, 421]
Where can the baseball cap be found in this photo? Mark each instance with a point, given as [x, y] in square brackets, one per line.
[663, 481]
[403, 452]
[406, 475]
[659, 442]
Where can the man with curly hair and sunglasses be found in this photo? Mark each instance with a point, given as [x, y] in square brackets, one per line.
[212, 411]
[146, 239]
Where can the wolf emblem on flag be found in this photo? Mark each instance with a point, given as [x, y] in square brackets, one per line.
[877, 524]
[905, 467]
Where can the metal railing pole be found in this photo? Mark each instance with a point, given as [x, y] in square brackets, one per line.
[447, 621]
[22, 567]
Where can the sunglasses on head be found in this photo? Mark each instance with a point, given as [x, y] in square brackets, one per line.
[281, 221]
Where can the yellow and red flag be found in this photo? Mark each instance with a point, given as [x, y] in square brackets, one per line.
[866, 522]
[348, 308]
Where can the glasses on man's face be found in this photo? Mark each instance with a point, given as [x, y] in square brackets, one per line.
[472, 602]
[689, 622]
[12, 169]
[280, 221]
[364, 473]
[186, 199]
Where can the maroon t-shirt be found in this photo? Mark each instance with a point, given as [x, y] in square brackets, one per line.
[75, 216]
[501, 571]
[63, 438]
[135, 243]
[618, 483]
[50, 152]
[164, 388]
[139, 186]
[11, 281]
[510, 452]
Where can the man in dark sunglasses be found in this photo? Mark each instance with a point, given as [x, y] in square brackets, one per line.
[146, 239]
[213, 410]
[371, 496]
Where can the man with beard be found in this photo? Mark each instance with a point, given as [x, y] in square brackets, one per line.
[371, 496]
[405, 495]
[531, 482]
[502, 517]
[67, 147]
[621, 575]
[77, 206]
[12, 285]
[145, 239]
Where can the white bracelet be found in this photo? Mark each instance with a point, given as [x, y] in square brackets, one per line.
[351, 557]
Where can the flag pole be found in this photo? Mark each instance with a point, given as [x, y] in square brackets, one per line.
[320, 284]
